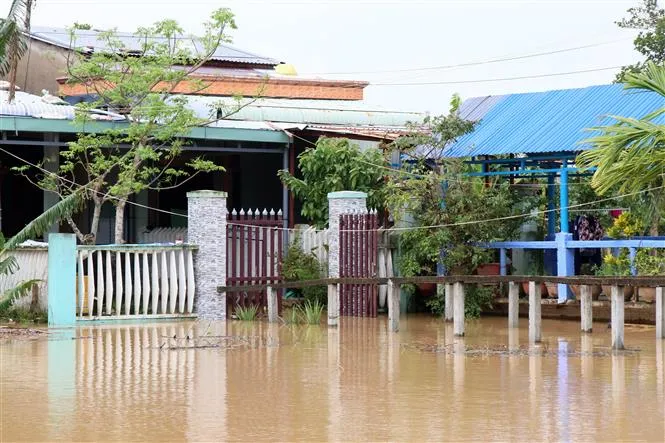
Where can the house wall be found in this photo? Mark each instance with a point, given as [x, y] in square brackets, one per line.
[40, 67]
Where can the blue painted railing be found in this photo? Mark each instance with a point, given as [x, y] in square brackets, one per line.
[565, 246]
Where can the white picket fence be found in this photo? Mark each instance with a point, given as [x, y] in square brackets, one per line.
[312, 241]
[32, 260]
[132, 281]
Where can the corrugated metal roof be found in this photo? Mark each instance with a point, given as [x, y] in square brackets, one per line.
[324, 112]
[28, 105]
[88, 38]
[551, 121]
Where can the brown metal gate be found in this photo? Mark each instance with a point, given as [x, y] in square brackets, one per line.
[357, 258]
[253, 255]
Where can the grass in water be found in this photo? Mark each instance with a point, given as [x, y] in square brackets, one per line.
[311, 312]
[291, 316]
[247, 313]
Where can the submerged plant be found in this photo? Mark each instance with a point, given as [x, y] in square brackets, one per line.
[291, 316]
[247, 313]
[311, 312]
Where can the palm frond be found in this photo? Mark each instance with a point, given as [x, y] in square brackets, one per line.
[13, 41]
[8, 264]
[61, 210]
[651, 78]
[15, 293]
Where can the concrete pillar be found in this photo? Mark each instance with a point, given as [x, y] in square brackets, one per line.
[448, 301]
[617, 317]
[393, 306]
[62, 280]
[273, 314]
[586, 311]
[565, 263]
[333, 305]
[206, 228]
[458, 310]
[660, 312]
[343, 202]
[513, 305]
[535, 333]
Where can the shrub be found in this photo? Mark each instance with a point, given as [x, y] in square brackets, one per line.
[247, 313]
[477, 298]
[301, 266]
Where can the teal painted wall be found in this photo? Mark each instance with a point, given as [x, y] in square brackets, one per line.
[61, 280]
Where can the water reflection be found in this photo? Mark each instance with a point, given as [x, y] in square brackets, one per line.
[210, 381]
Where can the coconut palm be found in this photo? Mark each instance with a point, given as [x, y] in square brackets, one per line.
[13, 40]
[8, 264]
[629, 155]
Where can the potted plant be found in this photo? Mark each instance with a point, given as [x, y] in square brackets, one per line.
[596, 290]
[536, 268]
[649, 262]
[612, 266]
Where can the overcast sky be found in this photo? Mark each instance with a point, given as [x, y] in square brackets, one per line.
[325, 37]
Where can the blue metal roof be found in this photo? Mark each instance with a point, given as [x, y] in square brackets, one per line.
[545, 122]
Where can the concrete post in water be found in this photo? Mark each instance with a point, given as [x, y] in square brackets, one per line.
[273, 307]
[448, 302]
[62, 280]
[535, 334]
[617, 317]
[333, 305]
[513, 305]
[206, 211]
[586, 311]
[393, 305]
[458, 309]
[565, 262]
[660, 312]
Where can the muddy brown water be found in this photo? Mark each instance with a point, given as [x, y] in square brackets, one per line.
[203, 381]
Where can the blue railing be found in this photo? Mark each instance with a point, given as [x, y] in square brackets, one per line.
[565, 246]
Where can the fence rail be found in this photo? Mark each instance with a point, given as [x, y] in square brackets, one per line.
[132, 281]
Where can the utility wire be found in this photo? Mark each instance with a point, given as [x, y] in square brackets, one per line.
[474, 63]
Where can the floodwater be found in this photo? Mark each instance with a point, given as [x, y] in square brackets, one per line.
[205, 381]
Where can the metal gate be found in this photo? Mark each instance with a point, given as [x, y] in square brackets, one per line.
[357, 258]
[253, 256]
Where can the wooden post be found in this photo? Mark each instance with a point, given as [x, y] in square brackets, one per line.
[333, 305]
[617, 317]
[534, 313]
[586, 311]
[513, 305]
[448, 301]
[393, 306]
[458, 310]
[273, 315]
[660, 312]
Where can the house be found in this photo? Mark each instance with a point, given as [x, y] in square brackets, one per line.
[263, 137]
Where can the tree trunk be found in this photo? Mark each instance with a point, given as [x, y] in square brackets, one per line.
[94, 226]
[120, 221]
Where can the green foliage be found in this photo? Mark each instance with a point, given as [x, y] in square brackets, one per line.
[311, 312]
[629, 155]
[301, 266]
[649, 19]
[335, 165]
[625, 225]
[13, 40]
[22, 315]
[246, 313]
[477, 299]
[612, 266]
[650, 262]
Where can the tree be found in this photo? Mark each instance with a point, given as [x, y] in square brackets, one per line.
[335, 165]
[649, 19]
[8, 264]
[629, 155]
[13, 40]
[143, 83]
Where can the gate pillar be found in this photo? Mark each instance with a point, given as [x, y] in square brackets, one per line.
[206, 228]
[342, 202]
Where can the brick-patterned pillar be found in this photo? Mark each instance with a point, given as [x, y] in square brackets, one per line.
[206, 211]
[342, 202]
